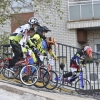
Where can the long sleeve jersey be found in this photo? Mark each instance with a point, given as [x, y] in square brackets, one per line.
[37, 42]
[21, 33]
[78, 56]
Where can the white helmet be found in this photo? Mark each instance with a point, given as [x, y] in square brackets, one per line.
[33, 21]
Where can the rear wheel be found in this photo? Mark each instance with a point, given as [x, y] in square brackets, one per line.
[9, 74]
[1, 68]
[29, 75]
[43, 78]
[1, 64]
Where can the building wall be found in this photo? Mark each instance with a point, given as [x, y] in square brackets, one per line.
[93, 38]
[6, 27]
[20, 19]
[58, 26]
[60, 29]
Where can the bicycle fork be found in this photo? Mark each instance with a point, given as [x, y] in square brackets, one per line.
[81, 80]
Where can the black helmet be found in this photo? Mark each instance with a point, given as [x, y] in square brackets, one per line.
[40, 30]
[45, 29]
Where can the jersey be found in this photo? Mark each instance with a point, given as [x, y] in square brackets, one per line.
[20, 32]
[76, 59]
[37, 41]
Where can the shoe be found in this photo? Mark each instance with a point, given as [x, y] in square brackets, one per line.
[15, 69]
[10, 69]
[25, 78]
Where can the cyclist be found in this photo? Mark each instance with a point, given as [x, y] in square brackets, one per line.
[37, 41]
[47, 46]
[75, 61]
[21, 32]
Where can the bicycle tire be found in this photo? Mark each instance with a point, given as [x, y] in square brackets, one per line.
[1, 64]
[43, 79]
[52, 82]
[18, 75]
[8, 74]
[31, 78]
[1, 69]
[82, 91]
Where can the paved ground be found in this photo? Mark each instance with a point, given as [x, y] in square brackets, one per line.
[12, 92]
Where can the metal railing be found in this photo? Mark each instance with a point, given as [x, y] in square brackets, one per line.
[64, 54]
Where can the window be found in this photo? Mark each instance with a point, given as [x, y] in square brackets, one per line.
[22, 6]
[83, 9]
[97, 49]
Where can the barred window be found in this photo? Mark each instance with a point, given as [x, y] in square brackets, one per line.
[97, 49]
[21, 6]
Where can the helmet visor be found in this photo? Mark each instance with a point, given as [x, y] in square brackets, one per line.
[46, 29]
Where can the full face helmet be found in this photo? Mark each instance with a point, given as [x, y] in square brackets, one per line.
[33, 21]
[46, 29]
[88, 51]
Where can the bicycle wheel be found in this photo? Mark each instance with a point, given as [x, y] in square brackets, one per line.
[28, 75]
[1, 68]
[52, 82]
[17, 72]
[8, 74]
[43, 78]
[82, 90]
[1, 64]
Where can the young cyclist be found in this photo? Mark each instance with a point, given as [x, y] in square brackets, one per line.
[37, 39]
[47, 46]
[21, 32]
[43, 45]
[75, 61]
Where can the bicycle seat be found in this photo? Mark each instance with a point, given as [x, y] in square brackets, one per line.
[62, 65]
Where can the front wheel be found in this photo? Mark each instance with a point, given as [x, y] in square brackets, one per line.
[29, 75]
[52, 82]
[83, 90]
[43, 78]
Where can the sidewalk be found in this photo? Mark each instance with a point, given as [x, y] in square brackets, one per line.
[28, 94]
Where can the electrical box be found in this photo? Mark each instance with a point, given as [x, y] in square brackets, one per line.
[81, 36]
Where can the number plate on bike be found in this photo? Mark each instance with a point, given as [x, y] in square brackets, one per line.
[51, 62]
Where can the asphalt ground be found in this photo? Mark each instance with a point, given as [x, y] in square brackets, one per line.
[32, 94]
[18, 82]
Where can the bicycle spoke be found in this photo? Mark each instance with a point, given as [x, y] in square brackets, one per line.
[32, 76]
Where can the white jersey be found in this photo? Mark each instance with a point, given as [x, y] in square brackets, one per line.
[20, 31]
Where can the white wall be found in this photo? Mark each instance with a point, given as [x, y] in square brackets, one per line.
[59, 28]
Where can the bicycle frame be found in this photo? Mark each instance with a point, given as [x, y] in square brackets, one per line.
[80, 75]
[81, 79]
[27, 68]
